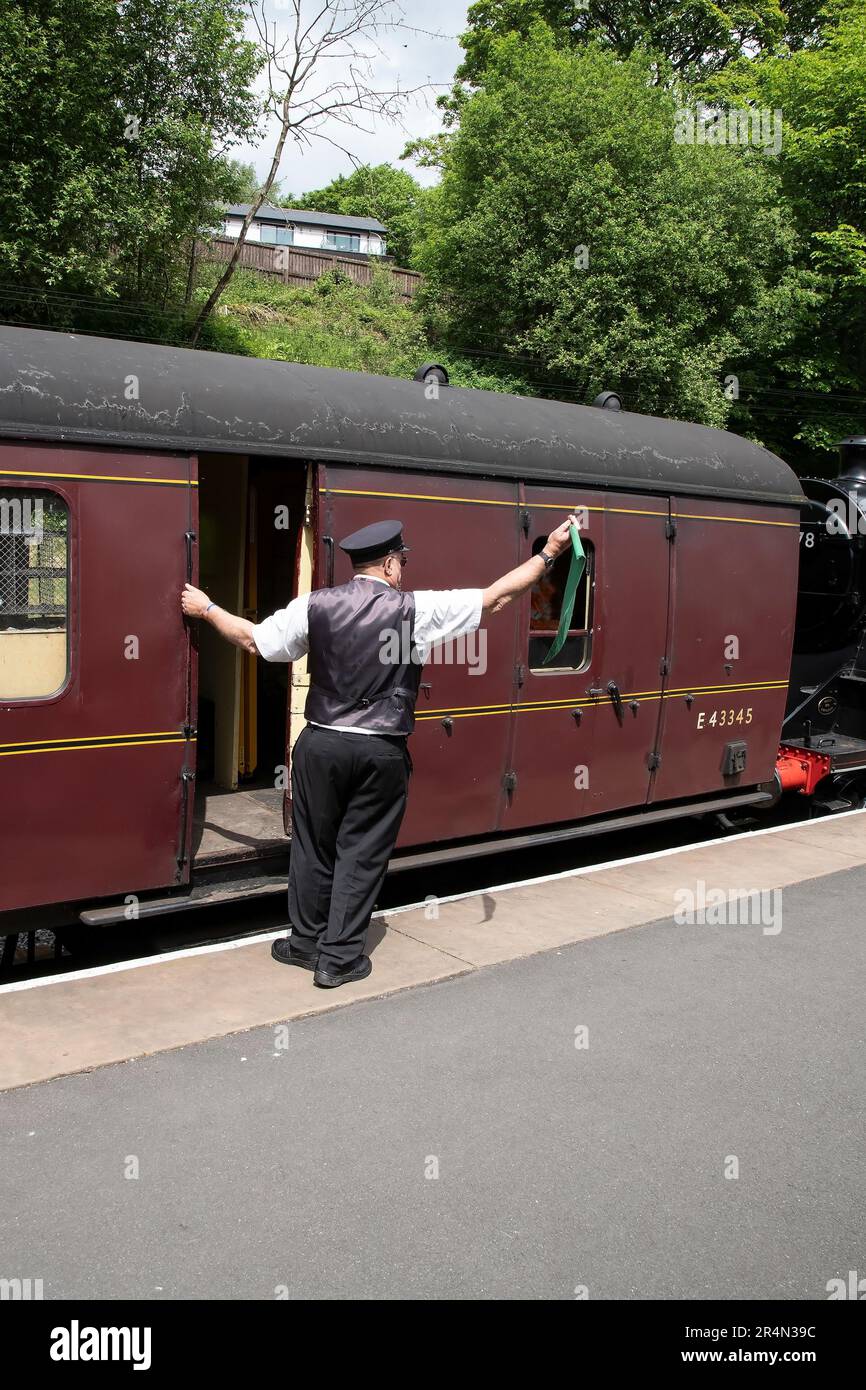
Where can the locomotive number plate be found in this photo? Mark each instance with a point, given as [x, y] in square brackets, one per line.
[723, 718]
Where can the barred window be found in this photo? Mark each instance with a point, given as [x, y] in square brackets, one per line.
[34, 587]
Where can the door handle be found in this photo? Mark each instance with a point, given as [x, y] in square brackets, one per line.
[611, 689]
[615, 699]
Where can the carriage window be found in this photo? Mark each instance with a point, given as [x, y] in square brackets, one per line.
[34, 585]
[546, 600]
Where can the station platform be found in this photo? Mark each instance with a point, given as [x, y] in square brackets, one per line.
[90, 1019]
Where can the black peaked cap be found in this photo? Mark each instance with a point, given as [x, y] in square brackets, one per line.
[374, 542]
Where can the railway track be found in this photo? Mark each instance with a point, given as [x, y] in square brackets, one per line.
[45, 952]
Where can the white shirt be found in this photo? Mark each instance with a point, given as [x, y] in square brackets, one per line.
[440, 615]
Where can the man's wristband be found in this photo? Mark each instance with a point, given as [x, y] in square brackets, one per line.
[209, 607]
[549, 560]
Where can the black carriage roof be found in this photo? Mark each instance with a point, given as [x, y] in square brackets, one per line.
[71, 388]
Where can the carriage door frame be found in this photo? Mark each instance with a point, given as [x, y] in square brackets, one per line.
[97, 772]
[189, 770]
[586, 738]
[465, 710]
[733, 597]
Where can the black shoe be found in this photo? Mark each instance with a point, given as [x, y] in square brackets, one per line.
[358, 970]
[283, 951]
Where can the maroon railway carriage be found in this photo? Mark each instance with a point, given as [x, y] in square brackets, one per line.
[142, 760]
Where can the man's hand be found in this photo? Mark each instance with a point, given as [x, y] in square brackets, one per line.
[516, 582]
[560, 539]
[193, 602]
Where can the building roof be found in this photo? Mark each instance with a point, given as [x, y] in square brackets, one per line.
[268, 213]
[65, 387]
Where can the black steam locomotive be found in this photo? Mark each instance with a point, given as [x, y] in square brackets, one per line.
[824, 734]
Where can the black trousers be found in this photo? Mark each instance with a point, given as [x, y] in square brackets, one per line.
[348, 798]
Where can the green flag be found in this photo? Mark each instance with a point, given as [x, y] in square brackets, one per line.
[572, 583]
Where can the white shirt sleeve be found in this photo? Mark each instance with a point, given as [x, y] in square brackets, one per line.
[284, 636]
[441, 614]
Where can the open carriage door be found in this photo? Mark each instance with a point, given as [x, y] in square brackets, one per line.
[97, 677]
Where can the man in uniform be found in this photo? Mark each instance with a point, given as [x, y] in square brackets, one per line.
[350, 764]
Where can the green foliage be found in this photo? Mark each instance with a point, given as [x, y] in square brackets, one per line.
[336, 323]
[690, 251]
[245, 181]
[821, 92]
[390, 195]
[112, 120]
[696, 37]
[333, 323]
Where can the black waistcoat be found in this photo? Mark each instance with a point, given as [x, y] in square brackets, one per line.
[360, 661]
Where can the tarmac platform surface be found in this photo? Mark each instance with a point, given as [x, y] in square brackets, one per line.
[72, 1024]
[705, 1140]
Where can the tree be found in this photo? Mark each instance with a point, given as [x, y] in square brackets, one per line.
[246, 181]
[816, 392]
[381, 191]
[114, 122]
[696, 37]
[320, 72]
[574, 237]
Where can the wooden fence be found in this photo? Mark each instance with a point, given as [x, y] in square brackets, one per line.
[300, 265]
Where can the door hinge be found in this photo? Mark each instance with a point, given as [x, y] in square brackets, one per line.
[670, 529]
[519, 675]
[525, 522]
[509, 782]
[664, 666]
[189, 731]
[653, 761]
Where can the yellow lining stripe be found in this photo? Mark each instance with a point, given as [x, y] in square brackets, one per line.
[482, 501]
[552, 506]
[33, 742]
[625, 511]
[97, 477]
[582, 702]
[83, 748]
[418, 497]
[740, 520]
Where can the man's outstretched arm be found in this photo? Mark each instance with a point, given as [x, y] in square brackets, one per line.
[516, 582]
[239, 631]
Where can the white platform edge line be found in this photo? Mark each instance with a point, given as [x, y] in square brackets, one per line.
[621, 863]
[254, 940]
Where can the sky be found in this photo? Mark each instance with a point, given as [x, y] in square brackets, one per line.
[425, 51]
